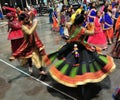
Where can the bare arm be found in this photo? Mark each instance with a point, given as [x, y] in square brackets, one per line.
[90, 30]
[31, 30]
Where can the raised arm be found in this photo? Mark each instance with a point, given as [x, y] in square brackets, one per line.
[32, 29]
[9, 8]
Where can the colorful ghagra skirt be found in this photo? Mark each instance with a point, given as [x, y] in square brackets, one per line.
[81, 68]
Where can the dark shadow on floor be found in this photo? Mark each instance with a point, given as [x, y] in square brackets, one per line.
[86, 92]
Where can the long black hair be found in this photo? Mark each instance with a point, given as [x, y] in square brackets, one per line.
[106, 9]
[79, 19]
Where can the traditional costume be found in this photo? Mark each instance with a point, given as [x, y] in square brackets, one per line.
[78, 63]
[62, 23]
[15, 33]
[50, 15]
[31, 47]
[116, 49]
[117, 26]
[91, 15]
[98, 38]
[108, 26]
[55, 24]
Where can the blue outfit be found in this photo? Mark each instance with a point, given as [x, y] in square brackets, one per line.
[117, 14]
[113, 4]
[108, 22]
[91, 14]
[61, 31]
[85, 24]
[1, 15]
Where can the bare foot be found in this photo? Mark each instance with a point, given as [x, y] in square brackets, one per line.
[11, 58]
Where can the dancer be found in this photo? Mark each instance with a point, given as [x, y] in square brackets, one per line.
[50, 14]
[108, 24]
[116, 49]
[32, 48]
[78, 62]
[55, 24]
[62, 21]
[92, 13]
[15, 31]
[98, 39]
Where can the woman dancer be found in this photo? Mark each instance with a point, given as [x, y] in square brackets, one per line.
[92, 13]
[108, 24]
[78, 62]
[55, 24]
[15, 31]
[98, 38]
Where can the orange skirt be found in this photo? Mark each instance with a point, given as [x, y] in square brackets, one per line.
[109, 33]
[55, 25]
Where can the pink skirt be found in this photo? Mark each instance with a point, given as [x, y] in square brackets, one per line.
[98, 39]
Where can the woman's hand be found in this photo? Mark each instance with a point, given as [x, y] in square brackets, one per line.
[35, 21]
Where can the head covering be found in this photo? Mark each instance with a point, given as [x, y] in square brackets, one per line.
[10, 15]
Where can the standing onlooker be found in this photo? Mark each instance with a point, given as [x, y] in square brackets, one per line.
[60, 5]
[50, 14]
[1, 15]
[55, 24]
[92, 13]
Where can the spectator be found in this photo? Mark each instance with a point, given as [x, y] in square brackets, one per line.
[1, 15]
